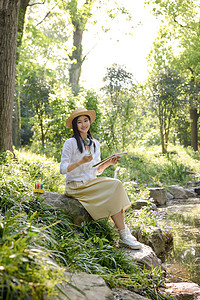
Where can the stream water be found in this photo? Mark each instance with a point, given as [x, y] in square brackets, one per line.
[183, 262]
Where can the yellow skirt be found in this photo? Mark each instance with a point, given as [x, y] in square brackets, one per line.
[101, 197]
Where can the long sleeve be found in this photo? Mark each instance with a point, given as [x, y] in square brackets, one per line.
[71, 154]
[66, 157]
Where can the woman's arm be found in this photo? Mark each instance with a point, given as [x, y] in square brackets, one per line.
[83, 160]
[108, 163]
[66, 164]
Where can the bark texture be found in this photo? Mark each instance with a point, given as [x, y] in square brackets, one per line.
[76, 58]
[9, 10]
[16, 125]
[194, 128]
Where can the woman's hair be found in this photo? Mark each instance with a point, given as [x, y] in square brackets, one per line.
[77, 136]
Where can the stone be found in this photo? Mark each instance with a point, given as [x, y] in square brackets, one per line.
[159, 195]
[139, 204]
[177, 191]
[84, 286]
[190, 193]
[183, 290]
[124, 294]
[155, 239]
[169, 196]
[69, 206]
[143, 203]
[145, 257]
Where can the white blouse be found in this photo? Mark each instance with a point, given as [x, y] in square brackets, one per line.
[71, 154]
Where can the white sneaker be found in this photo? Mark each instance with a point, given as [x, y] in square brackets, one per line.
[129, 232]
[127, 240]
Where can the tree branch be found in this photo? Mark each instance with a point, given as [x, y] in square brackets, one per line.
[43, 18]
[36, 3]
[49, 12]
[186, 26]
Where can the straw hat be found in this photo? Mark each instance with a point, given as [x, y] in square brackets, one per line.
[80, 112]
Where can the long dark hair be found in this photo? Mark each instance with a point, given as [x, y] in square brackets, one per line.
[76, 135]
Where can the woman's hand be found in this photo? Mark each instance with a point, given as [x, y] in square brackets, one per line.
[108, 163]
[77, 164]
[87, 158]
[114, 160]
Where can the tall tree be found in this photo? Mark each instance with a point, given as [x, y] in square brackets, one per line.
[178, 47]
[120, 93]
[79, 18]
[9, 11]
[166, 93]
[16, 122]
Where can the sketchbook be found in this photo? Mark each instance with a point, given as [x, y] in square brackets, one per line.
[109, 157]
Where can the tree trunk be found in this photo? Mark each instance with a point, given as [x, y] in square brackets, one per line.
[194, 128]
[9, 10]
[164, 151]
[76, 58]
[42, 133]
[16, 125]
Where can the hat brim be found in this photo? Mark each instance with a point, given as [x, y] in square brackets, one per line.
[90, 113]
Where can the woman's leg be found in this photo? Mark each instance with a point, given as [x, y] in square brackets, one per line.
[118, 219]
[126, 238]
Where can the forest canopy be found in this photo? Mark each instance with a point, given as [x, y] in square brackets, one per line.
[48, 53]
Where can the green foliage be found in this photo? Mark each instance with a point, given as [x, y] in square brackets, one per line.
[25, 267]
[149, 167]
[180, 26]
[167, 90]
[92, 102]
[119, 99]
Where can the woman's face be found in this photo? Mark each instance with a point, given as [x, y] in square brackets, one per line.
[83, 124]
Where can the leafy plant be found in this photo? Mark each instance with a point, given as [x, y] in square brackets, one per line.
[25, 265]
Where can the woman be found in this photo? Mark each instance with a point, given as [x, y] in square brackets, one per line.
[103, 196]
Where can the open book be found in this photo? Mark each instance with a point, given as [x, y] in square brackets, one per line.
[109, 157]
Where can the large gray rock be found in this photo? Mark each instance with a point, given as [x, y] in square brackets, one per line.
[183, 290]
[83, 286]
[145, 257]
[69, 206]
[177, 191]
[190, 193]
[124, 294]
[159, 195]
[155, 239]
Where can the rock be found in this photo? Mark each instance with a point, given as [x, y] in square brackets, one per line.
[69, 206]
[155, 239]
[139, 204]
[145, 257]
[142, 203]
[124, 294]
[159, 195]
[183, 290]
[153, 207]
[169, 196]
[190, 193]
[84, 286]
[177, 191]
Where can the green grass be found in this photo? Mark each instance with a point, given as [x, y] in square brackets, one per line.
[149, 167]
[30, 230]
